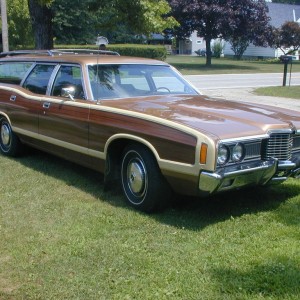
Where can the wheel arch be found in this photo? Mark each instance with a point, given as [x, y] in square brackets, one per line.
[2, 114]
[128, 138]
[113, 153]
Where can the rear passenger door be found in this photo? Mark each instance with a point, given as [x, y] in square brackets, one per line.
[23, 106]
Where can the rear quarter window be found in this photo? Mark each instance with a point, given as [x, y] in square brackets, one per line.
[13, 72]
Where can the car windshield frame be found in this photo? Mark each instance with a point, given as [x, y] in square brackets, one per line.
[115, 81]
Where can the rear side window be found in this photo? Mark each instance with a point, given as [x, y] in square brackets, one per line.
[13, 72]
[38, 79]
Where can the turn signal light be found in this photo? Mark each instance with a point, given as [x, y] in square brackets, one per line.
[203, 153]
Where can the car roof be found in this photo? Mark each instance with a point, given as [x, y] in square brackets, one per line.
[79, 57]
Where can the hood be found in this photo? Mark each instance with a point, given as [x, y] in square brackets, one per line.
[220, 118]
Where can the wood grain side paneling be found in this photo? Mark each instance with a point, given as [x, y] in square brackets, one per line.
[23, 112]
[170, 143]
[65, 122]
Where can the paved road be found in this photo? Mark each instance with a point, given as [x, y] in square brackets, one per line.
[240, 87]
[224, 81]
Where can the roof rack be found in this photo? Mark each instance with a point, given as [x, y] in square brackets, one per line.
[58, 52]
[84, 51]
[25, 52]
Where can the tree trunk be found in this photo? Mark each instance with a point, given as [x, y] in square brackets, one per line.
[5, 43]
[208, 52]
[41, 18]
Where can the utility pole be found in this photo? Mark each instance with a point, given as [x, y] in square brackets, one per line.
[4, 26]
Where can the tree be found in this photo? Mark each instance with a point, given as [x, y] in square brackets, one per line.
[138, 16]
[214, 19]
[141, 16]
[20, 30]
[287, 37]
[238, 46]
[74, 22]
[248, 23]
[155, 16]
[206, 17]
[41, 17]
[4, 25]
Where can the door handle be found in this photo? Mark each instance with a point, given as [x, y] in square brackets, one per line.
[13, 98]
[46, 104]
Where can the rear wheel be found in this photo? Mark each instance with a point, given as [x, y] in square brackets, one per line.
[143, 184]
[10, 144]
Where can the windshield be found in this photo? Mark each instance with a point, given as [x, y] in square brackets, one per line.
[119, 81]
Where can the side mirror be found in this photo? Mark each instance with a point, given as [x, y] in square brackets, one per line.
[68, 92]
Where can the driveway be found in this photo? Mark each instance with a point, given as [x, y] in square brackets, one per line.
[240, 87]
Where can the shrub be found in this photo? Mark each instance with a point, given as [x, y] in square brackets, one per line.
[147, 51]
[217, 48]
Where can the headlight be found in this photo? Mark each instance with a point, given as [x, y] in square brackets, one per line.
[223, 155]
[237, 152]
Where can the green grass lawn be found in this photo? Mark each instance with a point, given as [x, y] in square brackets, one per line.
[279, 91]
[63, 237]
[193, 65]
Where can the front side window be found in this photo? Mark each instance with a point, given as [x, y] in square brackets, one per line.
[38, 79]
[119, 81]
[13, 72]
[68, 77]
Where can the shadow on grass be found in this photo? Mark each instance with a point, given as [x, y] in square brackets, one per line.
[190, 213]
[197, 213]
[279, 278]
[71, 174]
[289, 213]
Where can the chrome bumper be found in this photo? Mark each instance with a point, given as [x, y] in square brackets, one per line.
[252, 173]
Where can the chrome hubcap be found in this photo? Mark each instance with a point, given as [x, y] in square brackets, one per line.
[5, 135]
[136, 177]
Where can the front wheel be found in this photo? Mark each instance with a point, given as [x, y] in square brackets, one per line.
[10, 144]
[143, 184]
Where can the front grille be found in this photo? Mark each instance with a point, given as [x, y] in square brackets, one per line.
[252, 150]
[279, 146]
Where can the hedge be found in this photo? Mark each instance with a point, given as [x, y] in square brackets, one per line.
[147, 51]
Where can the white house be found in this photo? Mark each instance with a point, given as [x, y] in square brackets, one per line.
[279, 14]
[191, 44]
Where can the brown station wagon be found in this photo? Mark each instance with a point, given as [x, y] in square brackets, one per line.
[141, 124]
